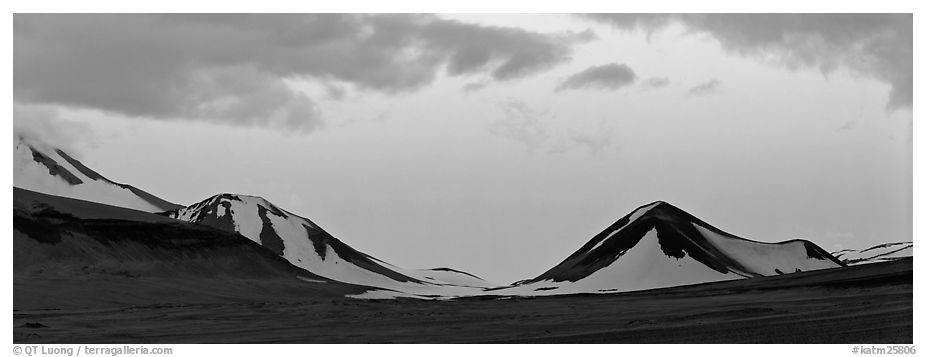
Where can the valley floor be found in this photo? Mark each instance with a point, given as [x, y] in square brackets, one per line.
[860, 304]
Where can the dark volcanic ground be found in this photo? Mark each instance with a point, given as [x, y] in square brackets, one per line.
[861, 304]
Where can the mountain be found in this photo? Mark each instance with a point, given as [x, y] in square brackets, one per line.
[306, 245]
[44, 168]
[78, 253]
[455, 277]
[656, 245]
[659, 245]
[879, 253]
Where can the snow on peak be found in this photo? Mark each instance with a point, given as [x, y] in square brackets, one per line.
[244, 214]
[659, 245]
[306, 245]
[41, 167]
[241, 197]
[632, 217]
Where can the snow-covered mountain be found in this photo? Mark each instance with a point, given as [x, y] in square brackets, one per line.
[308, 246]
[659, 245]
[43, 168]
[102, 255]
[656, 245]
[880, 253]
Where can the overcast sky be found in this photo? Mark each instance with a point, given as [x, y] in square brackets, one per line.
[496, 144]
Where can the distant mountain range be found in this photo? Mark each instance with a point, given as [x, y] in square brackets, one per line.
[880, 253]
[654, 246]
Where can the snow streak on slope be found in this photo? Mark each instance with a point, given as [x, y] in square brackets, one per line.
[879, 253]
[454, 277]
[633, 217]
[42, 168]
[306, 245]
[659, 245]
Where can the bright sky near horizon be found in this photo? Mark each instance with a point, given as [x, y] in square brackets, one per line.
[494, 144]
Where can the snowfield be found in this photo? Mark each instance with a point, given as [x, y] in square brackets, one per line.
[766, 258]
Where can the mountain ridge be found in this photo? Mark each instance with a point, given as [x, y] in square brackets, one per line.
[878, 253]
[655, 245]
[658, 245]
[305, 244]
[44, 168]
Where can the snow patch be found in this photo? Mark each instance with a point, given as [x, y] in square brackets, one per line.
[385, 295]
[310, 280]
[766, 258]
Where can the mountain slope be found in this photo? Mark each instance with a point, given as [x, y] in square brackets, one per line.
[43, 168]
[306, 245]
[659, 245]
[74, 252]
[879, 253]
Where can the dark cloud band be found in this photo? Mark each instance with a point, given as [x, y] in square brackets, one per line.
[876, 45]
[709, 87]
[609, 76]
[234, 68]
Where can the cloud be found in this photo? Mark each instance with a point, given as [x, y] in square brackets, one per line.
[43, 124]
[879, 46]
[474, 87]
[849, 125]
[335, 92]
[596, 142]
[709, 87]
[235, 68]
[838, 240]
[608, 77]
[655, 82]
[244, 95]
[523, 124]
